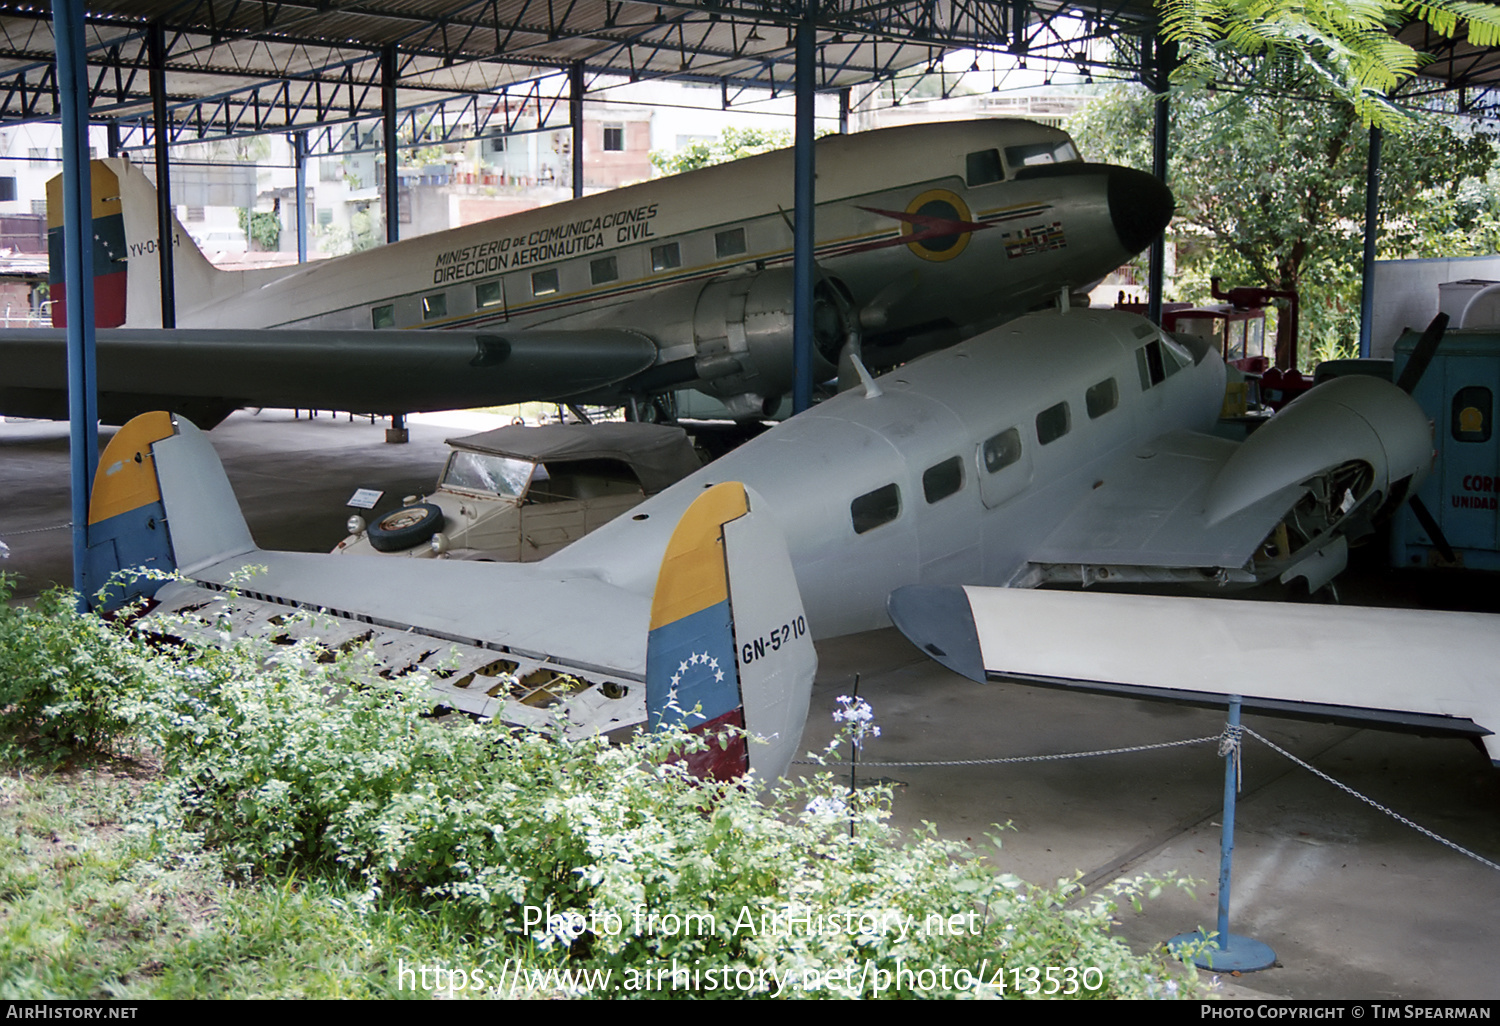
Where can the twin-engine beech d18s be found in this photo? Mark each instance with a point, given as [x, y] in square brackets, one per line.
[925, 235]
[1063, 446]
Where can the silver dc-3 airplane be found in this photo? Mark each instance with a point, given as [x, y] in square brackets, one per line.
[1066, 446]
[926, 235]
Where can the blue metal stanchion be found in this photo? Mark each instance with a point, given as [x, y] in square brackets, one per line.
[1225, 951]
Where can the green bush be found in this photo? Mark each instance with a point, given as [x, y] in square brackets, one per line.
[599, 855]
[294, 763]
[70, 683]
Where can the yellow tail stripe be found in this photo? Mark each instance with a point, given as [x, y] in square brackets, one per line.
[106, 200]
[126, 478]
[692, 571]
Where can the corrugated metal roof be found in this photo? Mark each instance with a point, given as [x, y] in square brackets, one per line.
[238, 67]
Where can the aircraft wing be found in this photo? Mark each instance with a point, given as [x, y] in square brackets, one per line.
[555, 650]
[1150, 509]
[366, 371]
[1414, 670]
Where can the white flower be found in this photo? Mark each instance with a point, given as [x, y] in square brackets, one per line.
[825, 805]
[860, 716]
[563, 928]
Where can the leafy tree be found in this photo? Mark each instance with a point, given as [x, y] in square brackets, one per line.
[262, 227]
[1270, 191]
[732, 145]
[1346, 45]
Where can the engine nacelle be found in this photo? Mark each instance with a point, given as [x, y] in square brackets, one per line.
[737, 329]
[1352, 420]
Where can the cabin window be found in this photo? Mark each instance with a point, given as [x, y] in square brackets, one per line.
[873, 509]
[943, 479]
[1031, 154]
[1102, 398]
[434, 306]
[614, 138]
[488, 293]
[544, 283]
[603, 270]
[983, 167]
[1052, 423]
[730, 243]
[1002, 450]
[383, 316]
[1472, 412]
[664, 258]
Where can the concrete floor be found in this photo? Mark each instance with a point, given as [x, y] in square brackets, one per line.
[1355, 904]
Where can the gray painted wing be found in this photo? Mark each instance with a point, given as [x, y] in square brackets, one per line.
[365, 371]
[1418, 670]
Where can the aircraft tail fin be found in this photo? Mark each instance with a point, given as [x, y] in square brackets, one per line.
[729, 645]
[127, 267]
[160, 503]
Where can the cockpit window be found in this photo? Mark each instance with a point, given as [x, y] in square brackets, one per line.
[1055, 152]
[1159, 359]
[983, 167]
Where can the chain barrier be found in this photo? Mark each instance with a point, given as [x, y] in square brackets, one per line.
[35, 530]
[1018, 758]
[1370, 801]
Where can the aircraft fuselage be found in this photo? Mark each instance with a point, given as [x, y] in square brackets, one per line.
[926, 235]
[952, 474]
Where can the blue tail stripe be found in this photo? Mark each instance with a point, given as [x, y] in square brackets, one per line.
[691, 674]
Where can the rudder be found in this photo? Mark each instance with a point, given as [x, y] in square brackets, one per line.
[729, 645]
[160, 503]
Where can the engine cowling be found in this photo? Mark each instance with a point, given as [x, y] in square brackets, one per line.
[738, 331]
[1346, 421]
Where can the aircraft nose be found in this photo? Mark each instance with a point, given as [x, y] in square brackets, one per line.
[1140, 205]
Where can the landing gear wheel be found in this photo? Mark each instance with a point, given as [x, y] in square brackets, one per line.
[407, 526]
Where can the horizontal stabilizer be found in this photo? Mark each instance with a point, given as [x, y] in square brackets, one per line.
[1415, 670]
[534, 644]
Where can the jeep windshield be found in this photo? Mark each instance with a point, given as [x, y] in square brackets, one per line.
[475, 471]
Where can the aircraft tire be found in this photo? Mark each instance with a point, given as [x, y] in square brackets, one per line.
[407, 526]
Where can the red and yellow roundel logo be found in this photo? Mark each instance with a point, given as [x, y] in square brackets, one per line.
[937, 225]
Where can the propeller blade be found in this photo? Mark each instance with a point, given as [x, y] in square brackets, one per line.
[1422, 354]
[1430, 524]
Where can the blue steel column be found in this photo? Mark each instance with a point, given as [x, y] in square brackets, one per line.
[802, 232]
[1372, 231]
[299, 160]
[388, 132]
[1163, 58]
[396, 433]
[78, 272]
[166, 228]
[575, 116]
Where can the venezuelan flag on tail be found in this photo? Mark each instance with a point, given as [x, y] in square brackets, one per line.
[109, 248]
[127, 520]
[160, 502]
[729, 646]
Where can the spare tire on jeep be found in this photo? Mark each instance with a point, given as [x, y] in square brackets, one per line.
[407, 526]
